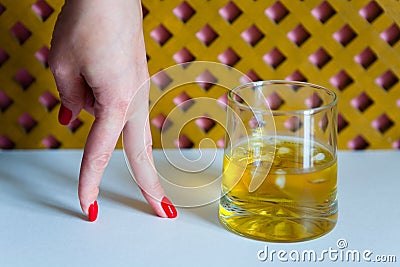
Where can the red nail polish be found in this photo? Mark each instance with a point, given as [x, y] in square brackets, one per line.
[93, 210]
[168, 207]
[64, 115]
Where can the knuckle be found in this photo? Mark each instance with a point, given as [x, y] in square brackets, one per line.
[111, 106]
[145, 154]
[123, 105]
[59, 70]
[60, 66]
[62, 73]
[99, 162]
[56, 66]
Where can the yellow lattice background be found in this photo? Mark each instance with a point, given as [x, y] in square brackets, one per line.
[352, 47]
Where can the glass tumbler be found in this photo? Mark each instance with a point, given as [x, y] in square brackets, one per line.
[280, 161]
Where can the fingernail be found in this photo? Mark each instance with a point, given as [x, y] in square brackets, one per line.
[168, 207]
[93, 210]
[64, 115]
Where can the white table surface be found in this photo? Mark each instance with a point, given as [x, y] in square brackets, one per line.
[41, 223]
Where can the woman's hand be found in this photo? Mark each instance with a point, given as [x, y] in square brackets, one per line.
[98, 60]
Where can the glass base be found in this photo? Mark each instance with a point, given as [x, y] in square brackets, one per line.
[276, 223]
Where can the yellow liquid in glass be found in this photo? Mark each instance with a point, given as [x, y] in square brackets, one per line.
[285, 194]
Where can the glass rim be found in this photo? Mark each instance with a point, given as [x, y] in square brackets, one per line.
[285, 82]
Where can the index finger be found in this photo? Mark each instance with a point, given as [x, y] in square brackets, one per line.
[100, 144]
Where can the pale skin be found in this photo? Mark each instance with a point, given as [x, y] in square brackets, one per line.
[98, 60]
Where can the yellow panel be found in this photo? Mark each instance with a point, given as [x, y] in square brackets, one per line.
[26, 123]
